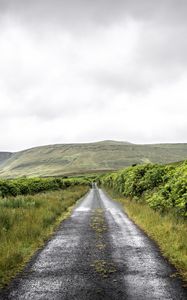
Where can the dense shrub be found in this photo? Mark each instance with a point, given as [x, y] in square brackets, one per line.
[25, 186]
[164, 188]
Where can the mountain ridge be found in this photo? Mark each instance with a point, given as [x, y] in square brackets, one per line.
[78, 158]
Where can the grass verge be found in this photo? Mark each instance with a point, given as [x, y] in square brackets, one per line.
[169, 232]
[26, 222]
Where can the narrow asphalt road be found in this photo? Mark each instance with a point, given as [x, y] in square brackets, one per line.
[98, 253]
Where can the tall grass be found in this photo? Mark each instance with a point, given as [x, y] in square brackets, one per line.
[169, 232]
[27, 221]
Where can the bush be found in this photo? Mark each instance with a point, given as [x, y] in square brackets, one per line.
[26, 186]
[164, 188]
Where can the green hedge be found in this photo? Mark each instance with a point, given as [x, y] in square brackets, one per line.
[25, 186]
[164, 188]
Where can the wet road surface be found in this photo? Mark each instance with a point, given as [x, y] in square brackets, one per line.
[98, 253]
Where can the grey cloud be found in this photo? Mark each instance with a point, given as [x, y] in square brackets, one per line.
[78, 64]
[75, 13]
[129, 81]
[163, 46]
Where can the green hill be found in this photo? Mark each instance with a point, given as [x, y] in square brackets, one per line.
[4, 156]
[65, 159]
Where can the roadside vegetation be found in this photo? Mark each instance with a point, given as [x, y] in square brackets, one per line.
[155, 197]
[27, 221]
[31, 186]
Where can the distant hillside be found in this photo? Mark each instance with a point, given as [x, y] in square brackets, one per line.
[4, 156]
[82, 158]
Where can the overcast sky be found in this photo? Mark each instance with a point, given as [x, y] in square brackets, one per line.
[84, 70]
